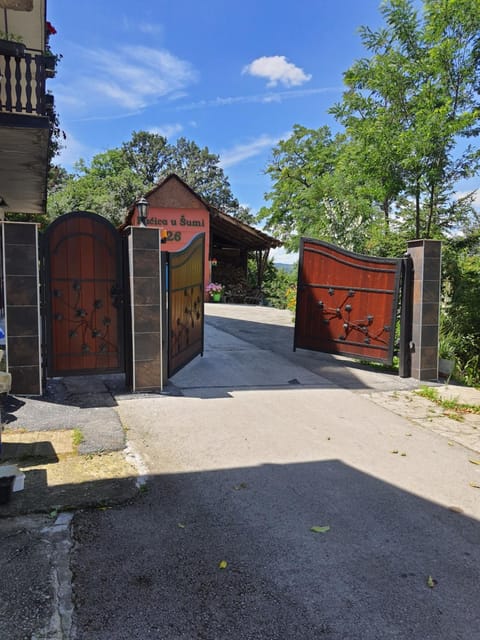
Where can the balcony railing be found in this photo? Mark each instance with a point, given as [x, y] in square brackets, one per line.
[22, 81]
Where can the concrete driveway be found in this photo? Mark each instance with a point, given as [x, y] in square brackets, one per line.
[254, 448]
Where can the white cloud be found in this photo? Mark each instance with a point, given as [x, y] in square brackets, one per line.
[280, 255]
[150, 28]
[262, 98]
[277, 70]
[244, 151]
[167, 130]
[134, 27]
[476, 199]
[134, 76]
[127, 78]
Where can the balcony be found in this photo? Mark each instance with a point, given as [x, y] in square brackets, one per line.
[25, 112]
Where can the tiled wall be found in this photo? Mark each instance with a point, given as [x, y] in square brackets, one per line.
[426, 256]
[146, 361]
[22, 318]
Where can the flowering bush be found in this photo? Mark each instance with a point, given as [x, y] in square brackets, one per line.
[51, 58]
[291, 298]
[50, 29]
[214, 287]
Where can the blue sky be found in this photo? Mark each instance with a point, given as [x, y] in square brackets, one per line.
[232, 76]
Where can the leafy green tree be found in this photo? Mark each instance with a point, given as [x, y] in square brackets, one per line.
[276, 283]
[297, 170]
[406, 112]
[147, 155]
[410, 102]
[244, 214]
[201, 170]
[116, 178]
[460, 321]
[107, 187]
[317, 190]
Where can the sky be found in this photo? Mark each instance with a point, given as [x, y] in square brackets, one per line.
[231, 76]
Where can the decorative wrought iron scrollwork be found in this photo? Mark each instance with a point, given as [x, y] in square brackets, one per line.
[85, 325]
[187, 322]
[351, 326]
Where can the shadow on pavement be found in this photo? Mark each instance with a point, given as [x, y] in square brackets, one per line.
[28, 453]
[392, 564]
[242, 354]
[279, 339]
[85, 404]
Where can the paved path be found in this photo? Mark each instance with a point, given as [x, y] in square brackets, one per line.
[258, 446]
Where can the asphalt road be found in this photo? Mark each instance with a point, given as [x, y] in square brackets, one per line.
[257, 447]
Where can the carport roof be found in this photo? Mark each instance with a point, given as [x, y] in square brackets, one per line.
[237, 232]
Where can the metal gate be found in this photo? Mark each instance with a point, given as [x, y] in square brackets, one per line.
[83, 289]
[185, 303]
[346, 302]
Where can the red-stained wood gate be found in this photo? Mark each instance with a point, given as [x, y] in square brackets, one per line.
[347, 303]
[83, 296]
[83, 299]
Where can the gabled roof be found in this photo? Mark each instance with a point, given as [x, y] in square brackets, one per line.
[173, 192]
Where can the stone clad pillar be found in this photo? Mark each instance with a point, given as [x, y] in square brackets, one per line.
[427, 263]
[144, 359]
[21, 305]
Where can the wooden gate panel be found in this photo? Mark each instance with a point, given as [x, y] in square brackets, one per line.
[185, 304]
[346, 302]
[84, 296]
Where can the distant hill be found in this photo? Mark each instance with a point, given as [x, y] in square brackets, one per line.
[286, 267]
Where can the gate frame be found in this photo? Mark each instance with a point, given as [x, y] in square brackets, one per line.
[420, 310]
[397, 272]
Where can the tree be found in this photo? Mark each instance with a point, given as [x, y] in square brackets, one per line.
[391, 172]
[277, 284]
[151, 158]
[148, 156]
[313, 191]
[107, 187]
[244, 214]
[411, 102]
[116, 178]
[201, 170]
[460, 321]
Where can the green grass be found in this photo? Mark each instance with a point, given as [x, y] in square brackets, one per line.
[431, 393]
[77, 437]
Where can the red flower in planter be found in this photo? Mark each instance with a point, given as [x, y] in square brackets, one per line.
[50, 28]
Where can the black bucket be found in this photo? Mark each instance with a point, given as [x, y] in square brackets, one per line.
[6, 488]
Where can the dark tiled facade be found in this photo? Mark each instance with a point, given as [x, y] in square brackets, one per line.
[22, 306]
[146, 362]
[426, 257]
